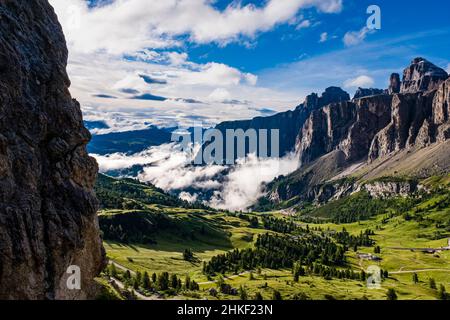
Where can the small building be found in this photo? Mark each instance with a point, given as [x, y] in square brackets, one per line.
[368, 256]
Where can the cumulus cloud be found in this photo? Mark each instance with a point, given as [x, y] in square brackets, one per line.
[353, 38]
[112, 45]
[234, 188]
[126, 26]
[186, 196]
[100, 73]
[323, 37]
[361, 81]
[244, 184]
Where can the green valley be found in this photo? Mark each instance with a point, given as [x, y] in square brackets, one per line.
[308, 254]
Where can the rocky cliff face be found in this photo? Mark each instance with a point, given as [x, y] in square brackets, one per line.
[48, 210]
[346, 126]
[409, 112]
[363, 92]
[440, 112]
[419, 112]
[408, 116]
[289, 123]
[374, 126]
[394, 84]
[422, 75]
[324, 129]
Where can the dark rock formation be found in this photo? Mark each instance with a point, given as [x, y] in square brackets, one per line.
[362, 92]
[372, 114]
[440, 117]
[347, 126]
[48, 210]
[324, 129]
[422, 75]
[289, 123]
[419, 113]
[332, 95]
[394, 84]
[368, 132]
[409, 112]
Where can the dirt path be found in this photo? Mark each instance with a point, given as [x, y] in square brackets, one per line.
[122, 286]
[140, 296]
[418, 270]
[121, 267]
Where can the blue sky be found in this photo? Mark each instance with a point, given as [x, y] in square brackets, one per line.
[284, 44]
[134, 62]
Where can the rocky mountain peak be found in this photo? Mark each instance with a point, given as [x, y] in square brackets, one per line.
[364, 92]
[394, 83]
[422, 75]
[331, 95]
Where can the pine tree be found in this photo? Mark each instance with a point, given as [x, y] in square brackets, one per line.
[138, 277]
[433, 284]
[415, 278]
[174, 281]
[391, 294]
[146, 281]
[442, 294]
[243, 293]
[258, 296]
[187, 282]
[276, 295]
[163, 281]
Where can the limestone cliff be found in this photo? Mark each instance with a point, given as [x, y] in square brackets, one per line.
[422, 75]
[48, 210]
[406, 121]
[289, 123]
[346, 126]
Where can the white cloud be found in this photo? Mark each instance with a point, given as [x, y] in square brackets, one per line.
[177, 59]
[153, 34]
[220, 94]
[244, 184]
[101, 73]
[353, 38]
[186, 196]
[304, 24]
[130, 25]
[448, 68]
[234, 188]
[214, 74]
[361, 81]
[323, 37]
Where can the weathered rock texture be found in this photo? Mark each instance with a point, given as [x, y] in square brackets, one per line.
[422, 75]
[48, 210]
[408, 117]
[347, 126]
[289, 123]
[363, 92]
[394, 83]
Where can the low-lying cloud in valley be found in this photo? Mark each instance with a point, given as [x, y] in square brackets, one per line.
[233, 188]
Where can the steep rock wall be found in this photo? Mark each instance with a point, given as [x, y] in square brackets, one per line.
[48, 209]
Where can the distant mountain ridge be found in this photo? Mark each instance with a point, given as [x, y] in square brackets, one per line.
[334, 121]
[403, 123]
[290, 122]
[129, 142]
